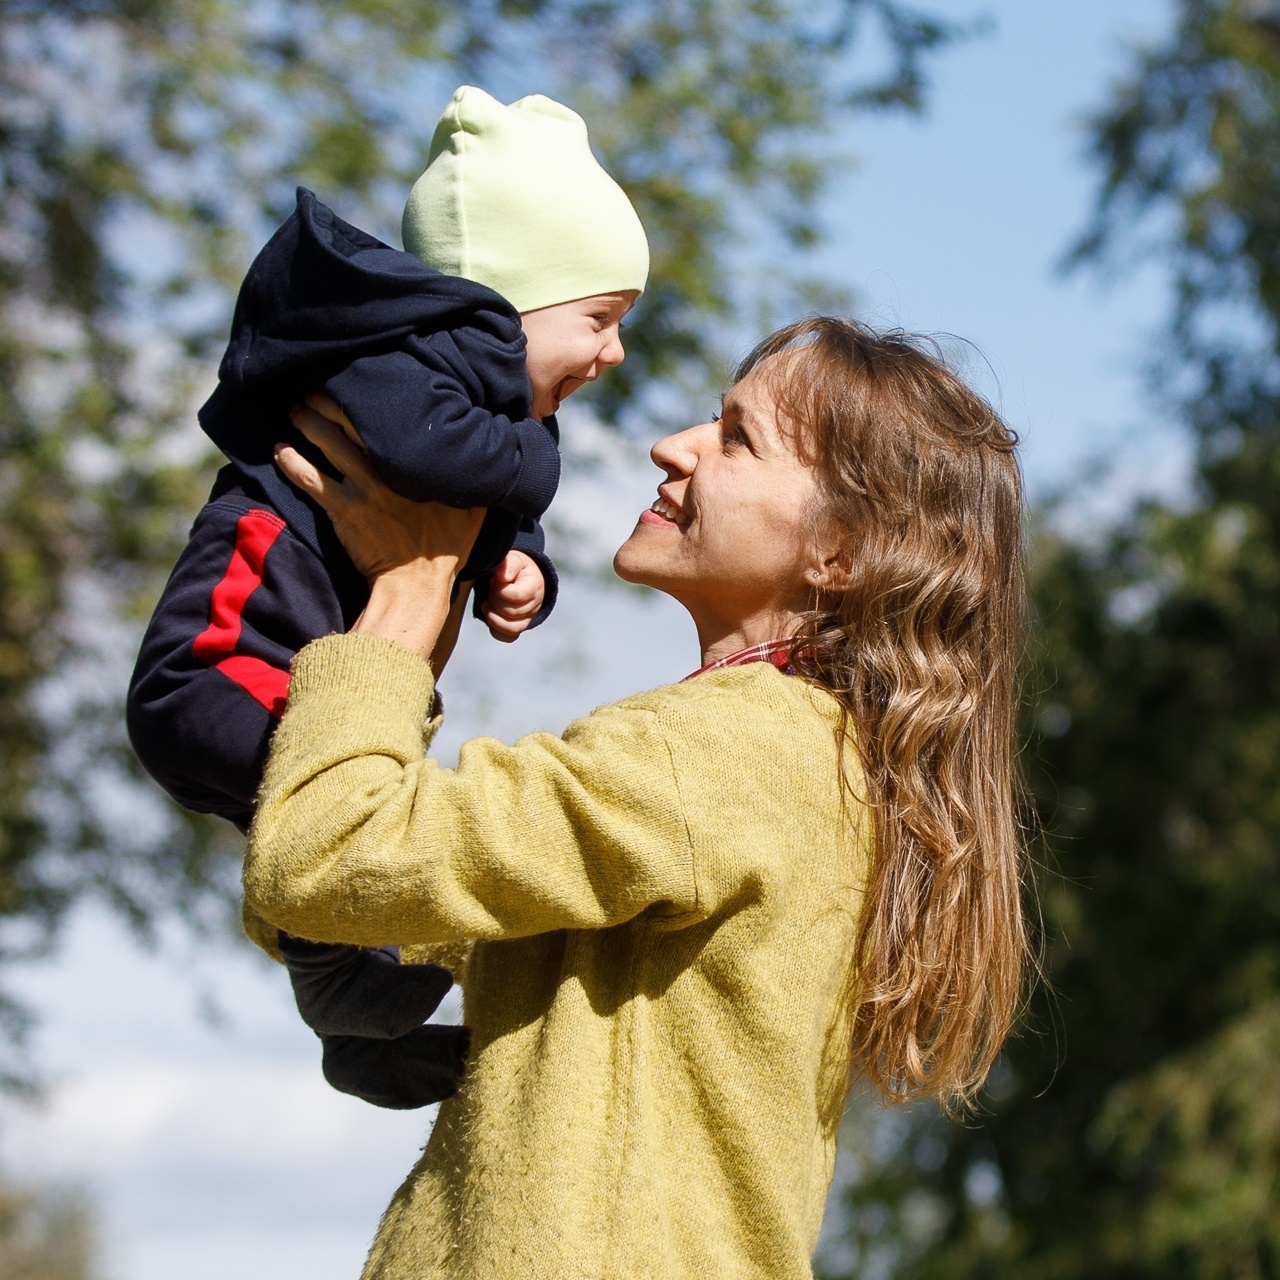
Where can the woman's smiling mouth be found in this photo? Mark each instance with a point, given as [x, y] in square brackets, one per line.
[664, 512]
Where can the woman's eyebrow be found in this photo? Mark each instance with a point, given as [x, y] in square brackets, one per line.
[747, 418]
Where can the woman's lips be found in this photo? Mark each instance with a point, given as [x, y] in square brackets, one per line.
[664, 513]
[652, 517]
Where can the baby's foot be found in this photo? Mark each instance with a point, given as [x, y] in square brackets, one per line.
[414, 1070]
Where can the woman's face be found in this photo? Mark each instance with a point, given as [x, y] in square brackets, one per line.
[732, 533]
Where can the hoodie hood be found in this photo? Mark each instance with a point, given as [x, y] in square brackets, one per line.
[320, 295]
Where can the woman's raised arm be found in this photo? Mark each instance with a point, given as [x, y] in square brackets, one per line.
[360, 838]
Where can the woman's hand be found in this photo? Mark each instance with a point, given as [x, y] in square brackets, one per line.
[381, 530]
[410, 552]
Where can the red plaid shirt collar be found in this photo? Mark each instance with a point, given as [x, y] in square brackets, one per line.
[778, 652]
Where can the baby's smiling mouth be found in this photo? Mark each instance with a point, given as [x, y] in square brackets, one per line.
[566, 387]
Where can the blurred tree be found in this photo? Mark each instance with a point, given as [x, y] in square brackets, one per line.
[146, 148]
[45, 1234]
[1134, 1128]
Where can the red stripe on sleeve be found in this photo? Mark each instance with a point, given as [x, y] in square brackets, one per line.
[267, 684]
[256, 532]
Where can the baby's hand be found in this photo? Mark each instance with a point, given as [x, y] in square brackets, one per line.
[516, 592]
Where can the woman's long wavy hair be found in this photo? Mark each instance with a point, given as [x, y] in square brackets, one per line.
[920, 483]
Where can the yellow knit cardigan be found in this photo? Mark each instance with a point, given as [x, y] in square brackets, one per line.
[664, 906]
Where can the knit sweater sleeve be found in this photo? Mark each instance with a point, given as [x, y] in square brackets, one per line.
[359, 837]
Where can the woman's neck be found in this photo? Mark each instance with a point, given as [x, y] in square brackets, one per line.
[719, 638]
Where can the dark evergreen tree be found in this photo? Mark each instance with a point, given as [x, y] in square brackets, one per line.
[1133, 1129]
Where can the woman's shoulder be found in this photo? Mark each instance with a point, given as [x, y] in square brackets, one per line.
[756, 689]
[747, 709]
[753, 713]
[756, 759]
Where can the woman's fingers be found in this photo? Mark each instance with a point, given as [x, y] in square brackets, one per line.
[328, 436]
[328, 407]
[308, 477]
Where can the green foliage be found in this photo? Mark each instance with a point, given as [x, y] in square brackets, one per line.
[1133, 1129]
[146, 149]
[1192, 136]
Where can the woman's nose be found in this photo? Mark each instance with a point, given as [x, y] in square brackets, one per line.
[677, 454]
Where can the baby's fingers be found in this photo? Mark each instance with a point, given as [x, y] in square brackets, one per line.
[505, 629]
[507, 605]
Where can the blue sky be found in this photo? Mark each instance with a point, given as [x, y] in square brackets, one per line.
[216, 1150]
[956, 223]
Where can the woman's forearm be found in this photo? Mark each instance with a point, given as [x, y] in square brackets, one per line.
[452, 625]
[410, 605]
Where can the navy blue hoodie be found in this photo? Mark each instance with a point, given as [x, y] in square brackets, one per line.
[431, 371]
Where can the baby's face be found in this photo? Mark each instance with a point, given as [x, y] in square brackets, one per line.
[572, 343]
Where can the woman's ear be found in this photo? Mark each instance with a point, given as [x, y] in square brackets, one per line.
[832, 572]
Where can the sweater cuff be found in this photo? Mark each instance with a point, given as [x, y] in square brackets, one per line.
[539, 474]
[365, 679]
[263, 935]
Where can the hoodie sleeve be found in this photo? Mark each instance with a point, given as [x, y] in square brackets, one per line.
[418, 413]
[212, 676]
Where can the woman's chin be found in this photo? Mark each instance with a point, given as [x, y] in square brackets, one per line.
[635, 563]
[624, 566]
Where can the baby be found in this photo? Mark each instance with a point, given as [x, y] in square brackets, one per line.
[449, 360]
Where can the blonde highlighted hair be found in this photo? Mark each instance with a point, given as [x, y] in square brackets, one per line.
[919, 482]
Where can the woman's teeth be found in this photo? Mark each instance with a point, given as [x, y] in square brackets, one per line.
[668, 511]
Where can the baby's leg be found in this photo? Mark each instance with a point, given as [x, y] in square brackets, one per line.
[349, 991]
[368, 1010]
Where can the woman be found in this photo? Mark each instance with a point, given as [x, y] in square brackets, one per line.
[695, 911]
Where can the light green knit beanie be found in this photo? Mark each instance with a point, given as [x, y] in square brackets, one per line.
[513, 198]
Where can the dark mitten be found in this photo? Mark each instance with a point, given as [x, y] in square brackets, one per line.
[414, 1070]
[350, 991]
